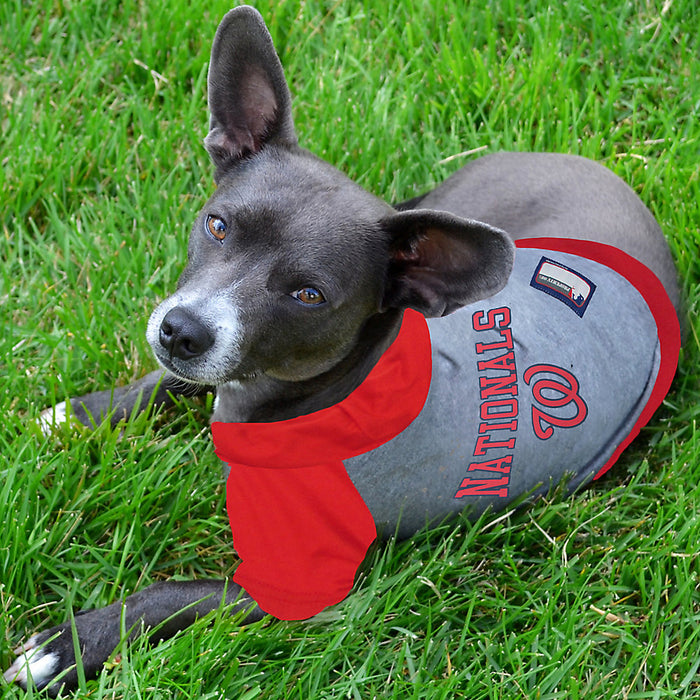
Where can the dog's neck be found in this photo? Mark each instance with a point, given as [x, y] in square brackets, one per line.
[265, 399]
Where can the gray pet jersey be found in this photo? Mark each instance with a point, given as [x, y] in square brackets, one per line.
[549, 379]
[544, 381]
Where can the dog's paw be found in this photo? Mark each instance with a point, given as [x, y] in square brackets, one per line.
[47, 660]
[37, 663]
[52, 418]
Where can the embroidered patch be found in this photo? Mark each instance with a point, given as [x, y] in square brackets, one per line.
[563, 283]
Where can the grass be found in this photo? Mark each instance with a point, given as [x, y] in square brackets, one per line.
[102, 114]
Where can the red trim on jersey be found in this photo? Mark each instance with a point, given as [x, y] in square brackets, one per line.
[656, 298]
[299, 524]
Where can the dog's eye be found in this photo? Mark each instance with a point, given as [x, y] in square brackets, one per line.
[217, 227]
[309, 296]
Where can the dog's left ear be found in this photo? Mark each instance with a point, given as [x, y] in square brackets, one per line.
[440, 262]
[249, 100]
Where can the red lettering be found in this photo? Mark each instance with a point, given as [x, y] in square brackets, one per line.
[507, 408]
[494, 318]
[555, 393]
[495, 386]
[505, 363]
[502, 464]
[484, 487]
[488, 427]
[484, 442]
[498, 412]
[542, 422]
[505, 344]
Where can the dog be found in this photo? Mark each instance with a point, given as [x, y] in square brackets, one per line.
[381, 368]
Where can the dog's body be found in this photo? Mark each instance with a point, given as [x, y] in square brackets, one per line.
[296, 290]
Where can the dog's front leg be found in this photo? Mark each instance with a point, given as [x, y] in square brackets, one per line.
[157, 389]
[159, 611]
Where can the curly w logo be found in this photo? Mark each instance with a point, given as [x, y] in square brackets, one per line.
[557, 395]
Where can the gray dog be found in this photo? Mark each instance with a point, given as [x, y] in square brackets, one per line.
[343, 414]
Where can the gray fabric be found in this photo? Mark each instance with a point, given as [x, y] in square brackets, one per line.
[612, 350]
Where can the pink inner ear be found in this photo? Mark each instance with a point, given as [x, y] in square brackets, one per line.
[244, 117]
[430, 250]
[435, 249]
[239, 142]
[258, 102]
[410, 255]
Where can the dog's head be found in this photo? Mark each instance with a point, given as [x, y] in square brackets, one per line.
[289, 259]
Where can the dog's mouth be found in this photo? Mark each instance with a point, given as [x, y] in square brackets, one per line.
[204, 374]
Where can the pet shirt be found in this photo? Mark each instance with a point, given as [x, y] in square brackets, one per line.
[548, 380]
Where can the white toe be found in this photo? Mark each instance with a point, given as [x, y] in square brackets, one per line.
[52, 417]
[34, 663]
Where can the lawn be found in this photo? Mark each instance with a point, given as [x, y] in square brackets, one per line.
[102, 114]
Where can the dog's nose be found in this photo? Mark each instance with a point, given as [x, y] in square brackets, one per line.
[183, 335]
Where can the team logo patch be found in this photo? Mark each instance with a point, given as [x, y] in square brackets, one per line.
[563, 283]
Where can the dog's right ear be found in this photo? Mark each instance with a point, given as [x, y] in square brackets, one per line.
[439, 262]
[249, 99]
